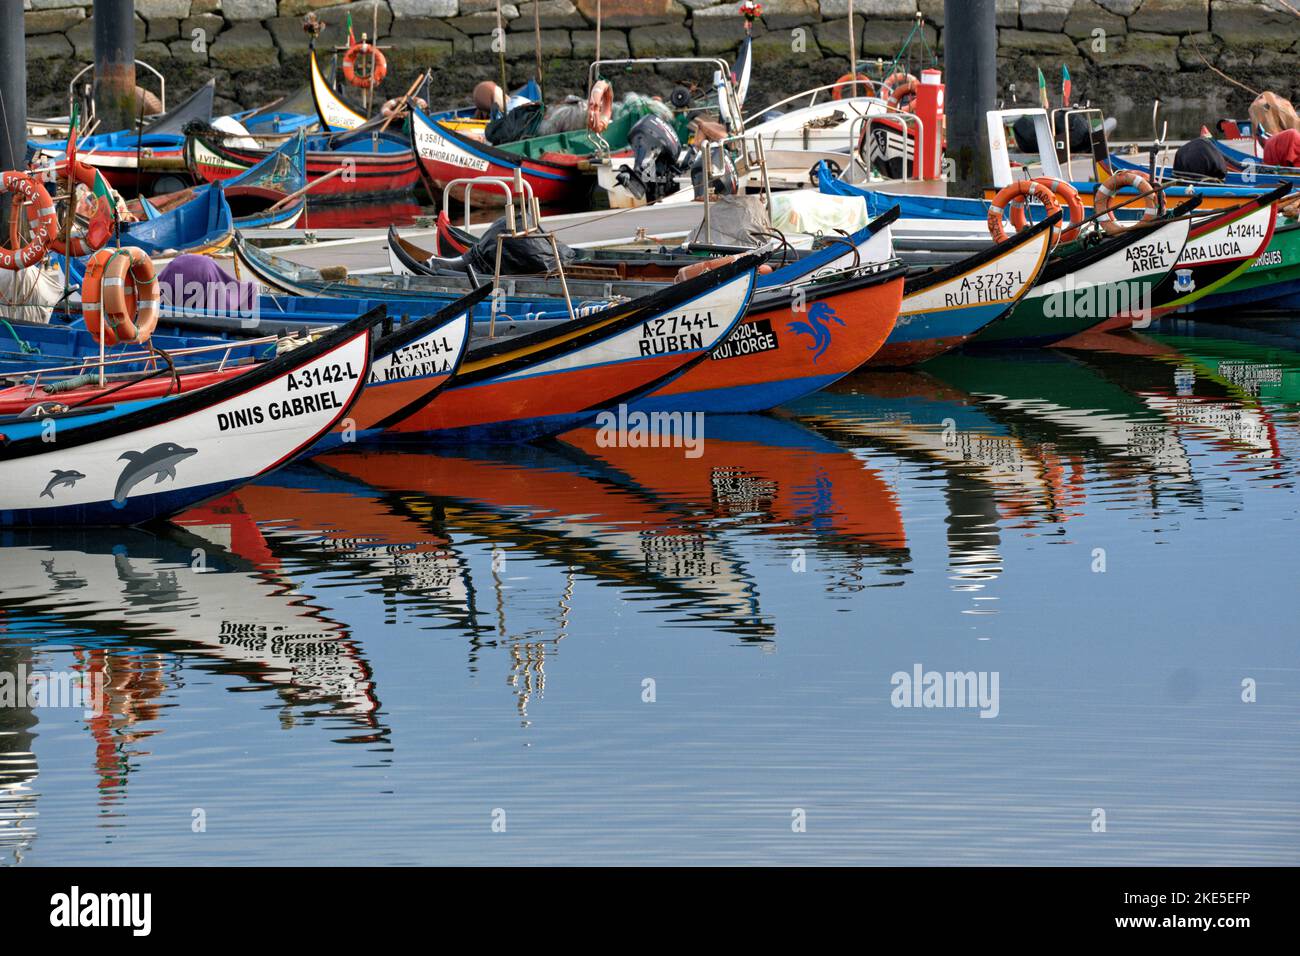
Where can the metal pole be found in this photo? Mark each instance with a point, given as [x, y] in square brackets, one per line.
[970, 76]
[13, 87]
[115, 63]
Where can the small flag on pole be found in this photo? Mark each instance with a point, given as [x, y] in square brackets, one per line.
[351, 39]
[1066, 85]
[1042, 90]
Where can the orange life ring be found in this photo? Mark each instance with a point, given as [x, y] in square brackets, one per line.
[845, 82]
[1066, 194]
[378, 66]
[1101, 199]
[100, 228]
[45, 227]
[600, 107]
[893, 80]
[906, 88]
[1017, 194]
[119, 296]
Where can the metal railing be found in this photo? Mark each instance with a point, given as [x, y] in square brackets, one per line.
[148, 359]
[529, 226]
[72, 90]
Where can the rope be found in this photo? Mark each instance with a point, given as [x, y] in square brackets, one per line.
[1219, 71]
[23, 346]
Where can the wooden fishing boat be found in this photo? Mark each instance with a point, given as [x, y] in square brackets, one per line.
[526, 296]
[946, 306]
[545, 382]
[870, 245]
[358, 165]
[1273, 277]
[794, 339]
[1218, 249]
[411, 365]
[123, 467]
[1083, 286]
[446, 154]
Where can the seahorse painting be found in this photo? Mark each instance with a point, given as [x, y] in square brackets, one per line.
[817, 326]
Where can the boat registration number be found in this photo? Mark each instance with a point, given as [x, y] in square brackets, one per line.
[748, 338]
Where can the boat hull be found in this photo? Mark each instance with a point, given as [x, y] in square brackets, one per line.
[1085, 289]
[551, 381]
[445, 155]
[367, 174]
[148, 463]
[788, 349]
[942, 311]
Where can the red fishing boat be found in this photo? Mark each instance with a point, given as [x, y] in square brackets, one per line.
[559, 377]
[357, 165]
[793, 340]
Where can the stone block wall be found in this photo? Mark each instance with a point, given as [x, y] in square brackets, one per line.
[1120, 53]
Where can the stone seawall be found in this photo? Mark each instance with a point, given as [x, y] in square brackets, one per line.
[1121, 53]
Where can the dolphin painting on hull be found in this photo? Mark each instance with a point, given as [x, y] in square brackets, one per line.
[158, 462]
[61, 478]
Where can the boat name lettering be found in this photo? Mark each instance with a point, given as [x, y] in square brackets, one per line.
[438, 151]
[278, 411]
[675, 333]
[1211, 252]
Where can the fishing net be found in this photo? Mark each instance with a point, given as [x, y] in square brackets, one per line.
[566, 117]
[641, 105]
[1273, 113]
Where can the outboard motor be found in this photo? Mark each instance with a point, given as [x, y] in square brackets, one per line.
[722, 176]
[657, 160]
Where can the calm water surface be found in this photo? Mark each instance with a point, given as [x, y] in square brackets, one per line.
[624, 655]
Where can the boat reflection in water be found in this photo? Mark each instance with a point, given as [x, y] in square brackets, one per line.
[138, 611]
[1023, 440]
[564, 572]
[444, 536]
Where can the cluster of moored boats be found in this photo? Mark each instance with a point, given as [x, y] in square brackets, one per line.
[161, 356]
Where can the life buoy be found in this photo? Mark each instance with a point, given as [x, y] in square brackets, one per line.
[119, 296]
[1017, 194]
[1066, 194]
[893, 80]
[45, 227]
[906, 88]
[845, 83]
[600, 107]
[378, 66]
[100, 228]
[1107, 190]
